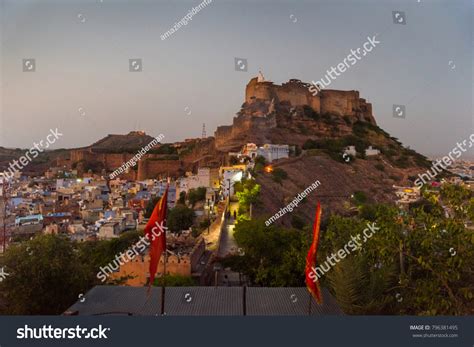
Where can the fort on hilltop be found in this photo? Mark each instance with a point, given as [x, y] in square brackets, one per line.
[264, 99]
[339, 102]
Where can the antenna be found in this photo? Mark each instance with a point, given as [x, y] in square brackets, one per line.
[204, 130]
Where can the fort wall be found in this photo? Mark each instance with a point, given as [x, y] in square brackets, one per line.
[149, 168]
[297, 93]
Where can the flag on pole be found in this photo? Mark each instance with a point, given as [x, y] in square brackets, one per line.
[312, 282]
[155, 231]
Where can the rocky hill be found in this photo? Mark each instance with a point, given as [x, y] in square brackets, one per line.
[319, 130]
[132, 141]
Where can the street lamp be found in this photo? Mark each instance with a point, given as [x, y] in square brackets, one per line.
[208, 215]
[228, 196]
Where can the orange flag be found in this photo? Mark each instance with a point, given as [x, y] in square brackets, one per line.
[156, 233]
[312, 283]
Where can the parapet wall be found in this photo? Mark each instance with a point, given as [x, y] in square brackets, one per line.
[244, 128]
[150, 165]
[111, 161]
[149, 168]
[297, 93]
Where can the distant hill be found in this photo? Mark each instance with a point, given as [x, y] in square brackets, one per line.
[113, 143]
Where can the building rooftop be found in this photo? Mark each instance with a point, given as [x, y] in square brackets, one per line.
[204, 301]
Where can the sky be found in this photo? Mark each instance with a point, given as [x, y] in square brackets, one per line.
[82, 84]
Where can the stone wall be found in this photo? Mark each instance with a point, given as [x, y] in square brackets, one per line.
[138, 268]
[149, 168]
[111, 161]
[245, 128]
[297, 93]
[150, 165]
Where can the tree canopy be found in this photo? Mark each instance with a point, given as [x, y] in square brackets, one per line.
[419, 262]
[180, 218]
[47, 273]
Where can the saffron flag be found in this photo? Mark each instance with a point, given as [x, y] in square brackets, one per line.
[156, 234]
[312, 282]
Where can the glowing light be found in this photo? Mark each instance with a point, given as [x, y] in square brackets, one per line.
[237, 177]
[269, 168]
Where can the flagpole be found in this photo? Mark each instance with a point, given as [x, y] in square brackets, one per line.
[163, 284]
[309, 306]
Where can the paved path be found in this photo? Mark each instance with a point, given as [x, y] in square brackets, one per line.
[228, 244]
[212, 237]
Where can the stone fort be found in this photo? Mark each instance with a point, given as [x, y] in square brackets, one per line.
[297, 93]
[150, 166]
[263, 97]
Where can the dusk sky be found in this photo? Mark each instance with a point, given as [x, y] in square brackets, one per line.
[83, 87]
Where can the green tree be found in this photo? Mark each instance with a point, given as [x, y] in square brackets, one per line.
[182, 198]
[361, 289]
[273, 256]
[247, 194]
[46, 276]
[195, 195]
[260, 160]
[48, 272]
[360, 197]
[180, 218]
[431, 257]
[279, 175]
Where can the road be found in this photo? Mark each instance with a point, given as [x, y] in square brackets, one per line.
[228, 244]
[212, 237]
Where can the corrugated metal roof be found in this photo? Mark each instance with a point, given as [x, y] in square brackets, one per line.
[288, 301]
[204, 301]
[119, 300]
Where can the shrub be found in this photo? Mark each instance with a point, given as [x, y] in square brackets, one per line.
[164, 149]
[395, 178]
[347, 119]
[402, 162]
[260, 160]
[310, 144]
[310, 113]
[279, 174]
[303, 129]
[297, 222]
[379, 167]
[360, 197]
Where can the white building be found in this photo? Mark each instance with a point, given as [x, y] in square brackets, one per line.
[229, 177]
[371, 151]
[76, 228]
[206, 177]
[350, 150]
[273, 152]
[109, 230]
